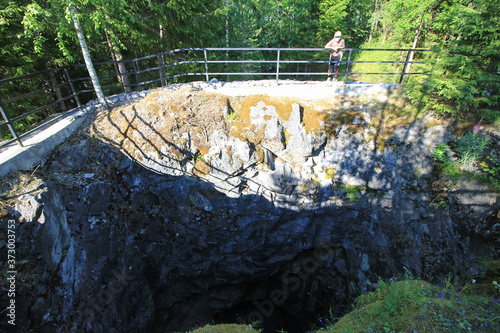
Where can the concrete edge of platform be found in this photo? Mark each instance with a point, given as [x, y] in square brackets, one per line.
[36, 149]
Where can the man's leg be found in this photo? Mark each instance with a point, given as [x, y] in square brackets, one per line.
[330, 68]
[337, 65]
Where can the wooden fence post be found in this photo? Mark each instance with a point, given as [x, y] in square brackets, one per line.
[10, 125]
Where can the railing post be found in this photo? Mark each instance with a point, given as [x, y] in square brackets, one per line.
[10, 125]
[401, 79]
[206, 63]
[136, 75]
[278, 66]
[347, 66]
[72, 87]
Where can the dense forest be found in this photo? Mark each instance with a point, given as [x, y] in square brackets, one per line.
[463, 78]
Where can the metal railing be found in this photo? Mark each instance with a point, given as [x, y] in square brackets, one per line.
[60, 89]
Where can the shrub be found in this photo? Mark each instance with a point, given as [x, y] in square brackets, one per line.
[470, 149]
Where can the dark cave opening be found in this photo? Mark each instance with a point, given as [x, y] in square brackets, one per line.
[302, 296]
[269, 317]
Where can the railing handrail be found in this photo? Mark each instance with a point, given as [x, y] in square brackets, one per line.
[161, 66]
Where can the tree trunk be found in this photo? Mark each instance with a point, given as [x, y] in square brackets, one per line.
[374, 22]
[87, 58]
[227, 38]
[159, 49]
[116, 55]
[415, 41]
[57, 90]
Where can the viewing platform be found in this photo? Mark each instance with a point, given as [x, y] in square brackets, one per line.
[38, 145]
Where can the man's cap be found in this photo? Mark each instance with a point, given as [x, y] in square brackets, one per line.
[338, 34]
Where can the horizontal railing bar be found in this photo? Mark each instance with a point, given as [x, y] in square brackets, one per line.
[27, 76]
[49, 121]
[301, 49]
[202, 49]
[41, 108]
[301, 73]
[87, 91]
[5, 143]
[306, 62]
[39, 126]
[137, 59]
[13, 99]
[242, 61]
[151, 81]
[147, 70]
[191, 53]
[242, 49]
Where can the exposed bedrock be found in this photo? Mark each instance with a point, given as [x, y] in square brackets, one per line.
[272, 239]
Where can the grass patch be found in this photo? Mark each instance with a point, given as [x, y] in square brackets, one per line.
[384, 67]
[352, 191]
[417, 306]
[225, 328]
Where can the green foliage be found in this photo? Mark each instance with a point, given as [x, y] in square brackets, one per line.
[377, 67]
[412, 305]
[470, 149]
[400, 298]
[492, 169]
[352, 191]
[471, 160]
[332, 14]
[287, 23]
[463, 78]
[356, 27]
[226, 328]
[441, 153]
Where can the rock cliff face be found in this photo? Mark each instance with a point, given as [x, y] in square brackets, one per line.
[277, 224]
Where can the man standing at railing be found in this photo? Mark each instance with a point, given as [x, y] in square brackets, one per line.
[336, 45]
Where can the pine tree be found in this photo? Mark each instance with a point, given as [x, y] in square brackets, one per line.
[332, 18]
[465, 80]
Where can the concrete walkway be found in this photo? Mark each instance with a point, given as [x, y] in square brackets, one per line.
[307, 90]
[39, 144]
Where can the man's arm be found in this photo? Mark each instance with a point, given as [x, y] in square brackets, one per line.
[329, 45]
